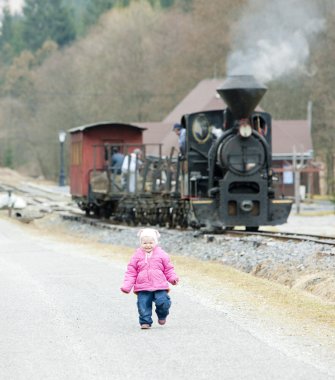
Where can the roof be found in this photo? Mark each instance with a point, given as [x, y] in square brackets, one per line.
[102, 124]
[154, 131]
[290, 135]
[160, 133]
[202, 98]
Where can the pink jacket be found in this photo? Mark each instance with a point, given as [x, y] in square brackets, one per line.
[149, 273]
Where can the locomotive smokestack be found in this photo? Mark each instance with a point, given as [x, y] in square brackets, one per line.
[241, 93]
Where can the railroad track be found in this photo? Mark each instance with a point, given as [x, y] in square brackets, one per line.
[8, 188]
[287, 236]
[29, 192]
[327, 240]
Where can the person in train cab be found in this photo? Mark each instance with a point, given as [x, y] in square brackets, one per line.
[216, 132]
[130, 169]
[149, 273]
[228, 119]
[181, 133]
[116, 160]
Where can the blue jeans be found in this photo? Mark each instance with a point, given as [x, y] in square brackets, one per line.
[144, 305]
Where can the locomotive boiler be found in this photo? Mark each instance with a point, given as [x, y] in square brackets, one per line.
[223, 180]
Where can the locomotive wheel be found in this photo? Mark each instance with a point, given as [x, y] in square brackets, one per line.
[172, 219]
[229, 228]
[97, 212]
[152, 217]
[165, 214]
[161, 217]
[129, 219]
[126, 216]
[184, 222]
[143, 217]
[182, 218]
[105, 213]
[135, 220]
[160, 220]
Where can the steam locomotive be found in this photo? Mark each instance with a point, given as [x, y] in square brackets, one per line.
[224, 179]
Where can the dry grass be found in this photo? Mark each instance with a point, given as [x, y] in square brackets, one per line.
[317, 213]
[279, 299]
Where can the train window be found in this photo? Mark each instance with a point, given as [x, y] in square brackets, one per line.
[201, 129]
[259, 124]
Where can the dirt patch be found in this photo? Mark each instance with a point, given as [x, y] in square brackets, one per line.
[317, 283]
[320, 284]
[14, 178]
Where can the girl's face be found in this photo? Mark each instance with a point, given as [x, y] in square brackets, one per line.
[147, 244]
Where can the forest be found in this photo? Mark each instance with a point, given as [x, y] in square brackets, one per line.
[70, 63]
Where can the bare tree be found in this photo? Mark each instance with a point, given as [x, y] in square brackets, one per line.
[324, 99]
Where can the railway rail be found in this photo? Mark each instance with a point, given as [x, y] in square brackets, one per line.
[31, 192]
[321, 239]
[107, 224]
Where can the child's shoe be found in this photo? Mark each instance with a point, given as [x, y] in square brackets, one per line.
[162, 321]
[145, 326]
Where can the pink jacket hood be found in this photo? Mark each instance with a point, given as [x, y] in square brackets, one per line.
[149, 273]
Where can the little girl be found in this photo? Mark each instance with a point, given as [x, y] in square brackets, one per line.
[149, 272]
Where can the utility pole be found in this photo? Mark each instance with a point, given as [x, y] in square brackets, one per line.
[61, 137]
[310, 115]
[310, 123]
[296, 181]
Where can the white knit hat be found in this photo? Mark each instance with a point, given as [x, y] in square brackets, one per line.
[149, 232]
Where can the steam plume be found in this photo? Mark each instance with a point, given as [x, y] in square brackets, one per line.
[272, 38]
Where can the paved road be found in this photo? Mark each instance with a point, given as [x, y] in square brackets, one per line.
[62, 317]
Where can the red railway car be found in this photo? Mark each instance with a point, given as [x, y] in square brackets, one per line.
[96, 186]
[88, 141]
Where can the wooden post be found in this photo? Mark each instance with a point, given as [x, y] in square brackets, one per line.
[296, 181]
[10, 203]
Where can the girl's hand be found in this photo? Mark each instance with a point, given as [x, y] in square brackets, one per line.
[124, 291]
[175, 282]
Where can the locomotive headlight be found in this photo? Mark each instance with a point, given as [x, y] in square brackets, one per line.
[245, 130]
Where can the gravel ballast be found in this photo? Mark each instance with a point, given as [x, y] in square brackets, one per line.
[305, 265]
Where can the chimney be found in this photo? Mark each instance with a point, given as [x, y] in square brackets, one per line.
[241, 93]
